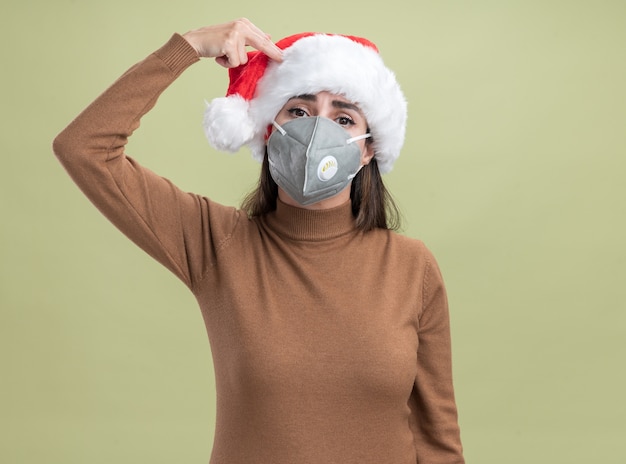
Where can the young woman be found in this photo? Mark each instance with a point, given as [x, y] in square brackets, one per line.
[329, 331]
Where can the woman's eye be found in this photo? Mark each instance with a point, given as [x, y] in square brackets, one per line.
[345, 121]
[297, 112]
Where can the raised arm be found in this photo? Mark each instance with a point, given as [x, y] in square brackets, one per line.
[180, 230]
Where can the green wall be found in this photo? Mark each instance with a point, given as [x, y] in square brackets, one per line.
[512, 173]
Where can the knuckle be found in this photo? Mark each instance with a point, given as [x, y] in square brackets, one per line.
[240, 23]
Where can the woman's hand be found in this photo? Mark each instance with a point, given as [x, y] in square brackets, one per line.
[227, 42]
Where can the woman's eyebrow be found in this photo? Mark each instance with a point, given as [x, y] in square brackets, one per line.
[346, 106]
[305, 96]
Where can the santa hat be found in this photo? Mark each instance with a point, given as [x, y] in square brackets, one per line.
[344, 65]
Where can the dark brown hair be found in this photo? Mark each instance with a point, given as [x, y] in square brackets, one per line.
[372, 204]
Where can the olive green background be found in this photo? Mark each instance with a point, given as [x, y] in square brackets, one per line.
[512, 173]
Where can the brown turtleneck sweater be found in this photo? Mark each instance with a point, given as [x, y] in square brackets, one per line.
[330, 345]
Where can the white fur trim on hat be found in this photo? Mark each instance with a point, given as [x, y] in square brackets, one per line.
[315, 63]
[227, 124]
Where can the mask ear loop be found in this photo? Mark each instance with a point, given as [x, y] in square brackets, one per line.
[352, 176]
[355, 139]
[359, 137]
[282, 131]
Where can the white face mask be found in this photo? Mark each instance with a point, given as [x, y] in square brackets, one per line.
[313, 158]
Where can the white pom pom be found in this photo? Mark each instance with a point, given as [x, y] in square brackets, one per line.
[227, 124]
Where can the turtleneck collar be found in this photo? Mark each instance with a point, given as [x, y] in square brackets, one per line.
[311, 225]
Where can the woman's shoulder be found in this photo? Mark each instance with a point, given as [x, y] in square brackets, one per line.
[403, 245]
[402, 240]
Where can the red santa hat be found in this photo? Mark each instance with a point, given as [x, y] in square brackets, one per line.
[344, 65]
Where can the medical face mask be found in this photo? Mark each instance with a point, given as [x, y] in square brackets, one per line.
[313, 158]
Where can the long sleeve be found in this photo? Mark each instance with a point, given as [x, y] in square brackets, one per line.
[182, 231]
[434, 413]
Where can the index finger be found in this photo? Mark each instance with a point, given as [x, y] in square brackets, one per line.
[262, 42]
